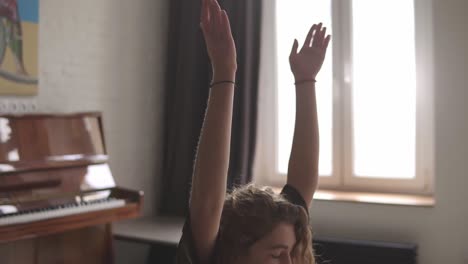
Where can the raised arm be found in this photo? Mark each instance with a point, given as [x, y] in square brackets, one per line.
[304, 159]
[212, 160]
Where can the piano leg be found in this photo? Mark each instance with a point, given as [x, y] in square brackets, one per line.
[109, 256]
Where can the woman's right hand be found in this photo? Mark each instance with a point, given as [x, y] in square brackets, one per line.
[219, 41]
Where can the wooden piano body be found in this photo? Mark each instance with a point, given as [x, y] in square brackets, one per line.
[57, 194]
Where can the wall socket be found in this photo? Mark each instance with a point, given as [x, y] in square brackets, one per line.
[17, 106]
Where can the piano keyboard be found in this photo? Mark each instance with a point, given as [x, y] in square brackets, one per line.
[29, 216]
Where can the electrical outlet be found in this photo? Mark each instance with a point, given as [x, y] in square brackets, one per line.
[31, 106]
[14, 107]
[3, 106]
[17, 106]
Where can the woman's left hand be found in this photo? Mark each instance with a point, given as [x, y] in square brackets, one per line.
[306, 63]
[218, 37]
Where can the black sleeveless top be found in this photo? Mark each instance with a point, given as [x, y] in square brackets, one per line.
[186, 249]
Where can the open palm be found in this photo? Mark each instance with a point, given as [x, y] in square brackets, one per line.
[306, 63]
[218, 37]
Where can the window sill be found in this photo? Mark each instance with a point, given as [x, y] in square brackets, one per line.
[372, 198]
[375, 198]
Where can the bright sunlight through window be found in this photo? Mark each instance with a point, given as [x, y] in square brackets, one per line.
[382, 80]
[384, 89]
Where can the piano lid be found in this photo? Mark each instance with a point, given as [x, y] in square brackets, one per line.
[43, 141]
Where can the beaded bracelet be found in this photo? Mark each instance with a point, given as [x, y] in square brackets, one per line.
[221, 82]
[305, 81]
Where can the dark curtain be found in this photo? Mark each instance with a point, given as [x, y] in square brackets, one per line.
[187, 86]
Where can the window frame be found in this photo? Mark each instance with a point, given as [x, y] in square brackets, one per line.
[265, 165]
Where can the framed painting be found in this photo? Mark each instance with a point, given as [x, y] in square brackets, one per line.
[19, 26]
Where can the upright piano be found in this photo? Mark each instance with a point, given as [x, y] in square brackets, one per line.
[57, 194]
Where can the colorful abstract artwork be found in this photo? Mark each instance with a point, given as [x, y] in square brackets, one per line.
[19, 26]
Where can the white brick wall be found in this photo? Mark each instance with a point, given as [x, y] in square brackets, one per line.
[108, 55]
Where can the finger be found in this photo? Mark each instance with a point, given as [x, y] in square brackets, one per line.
[315, 42]
[308, 39]
[294, 47]
[326, 42]
[213, 12]
[318, 38]
[216, 15]
[215, 2]
[226, 23]
[217, 9]
[219, 21]
[208, 25]
[321, 40]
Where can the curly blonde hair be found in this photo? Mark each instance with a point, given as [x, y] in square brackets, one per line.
[250, 213]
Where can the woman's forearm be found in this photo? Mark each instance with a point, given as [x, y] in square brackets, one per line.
[212, 159]
[303, 162]
[211, 169]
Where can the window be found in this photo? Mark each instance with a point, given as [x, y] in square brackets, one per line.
[373, 94]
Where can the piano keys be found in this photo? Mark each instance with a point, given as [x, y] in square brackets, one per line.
[36, 211]
[56, 184]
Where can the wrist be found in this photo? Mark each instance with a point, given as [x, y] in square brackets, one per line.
[305, 91]
[226, 75]
[305, 81]
[298, 76]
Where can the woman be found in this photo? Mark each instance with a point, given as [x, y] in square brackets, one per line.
[251, 225]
